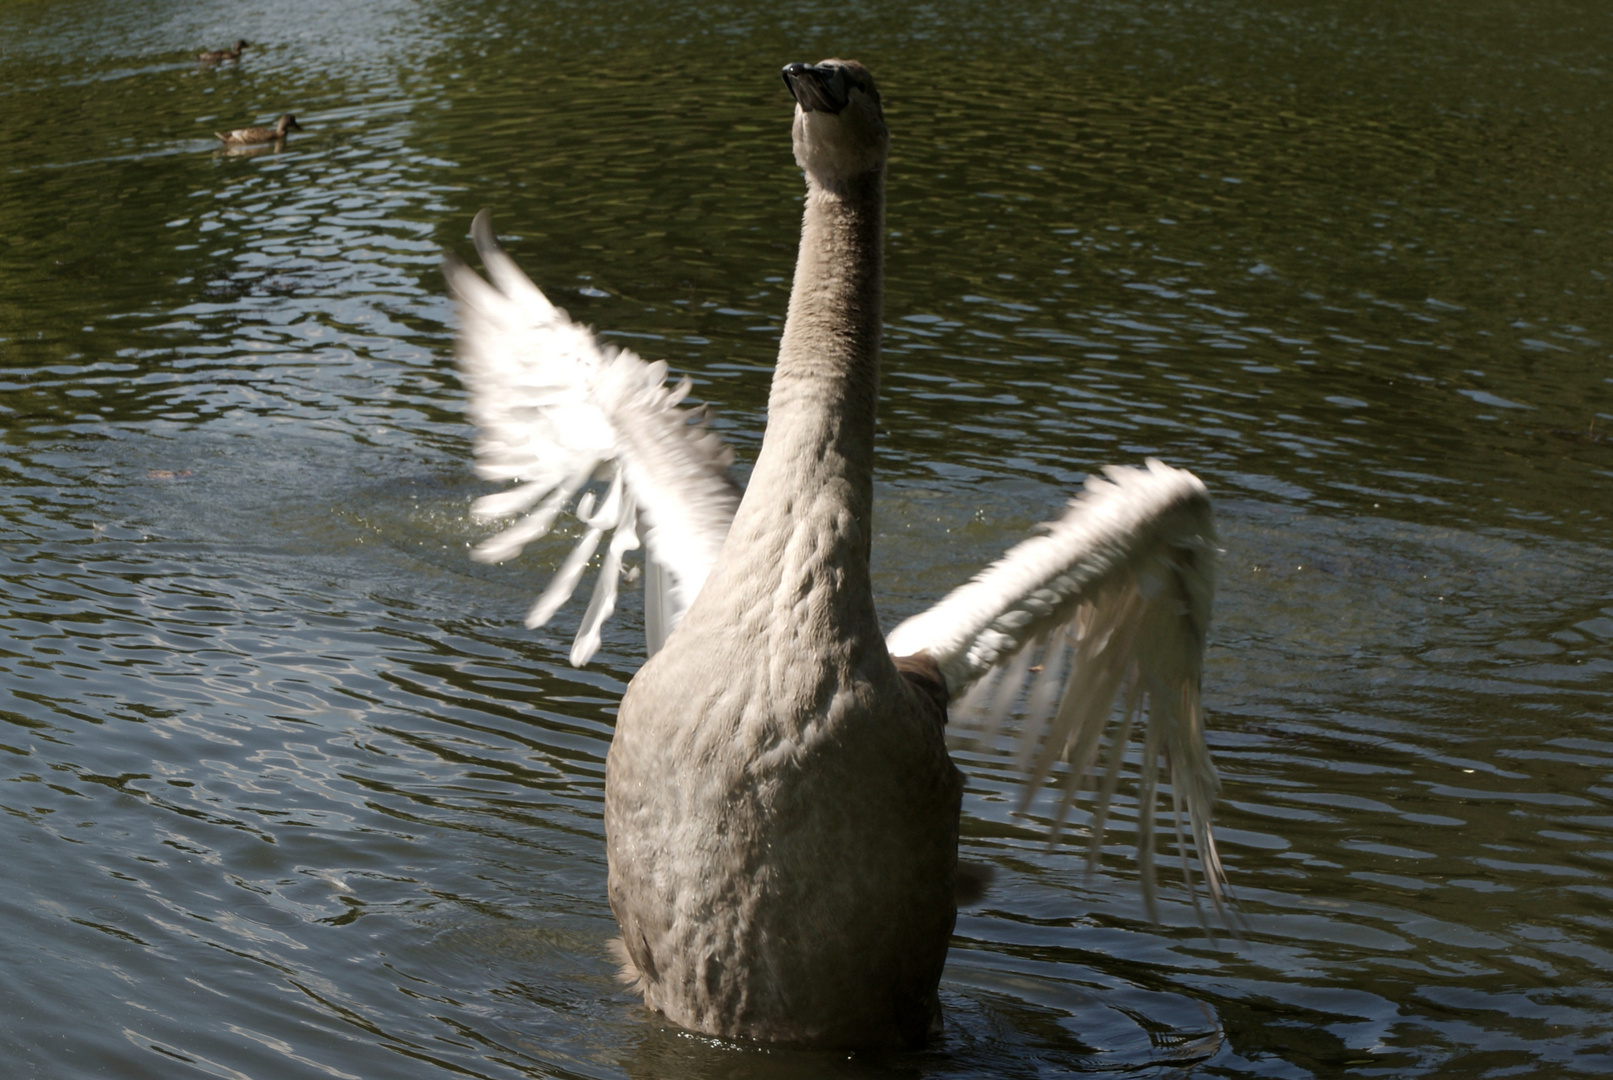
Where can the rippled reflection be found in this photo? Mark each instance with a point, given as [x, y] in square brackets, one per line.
[291, 792]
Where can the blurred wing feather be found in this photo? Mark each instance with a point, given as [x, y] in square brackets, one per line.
[555, 408]
[1109, 607]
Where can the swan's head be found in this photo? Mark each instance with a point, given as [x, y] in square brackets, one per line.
[839, 128]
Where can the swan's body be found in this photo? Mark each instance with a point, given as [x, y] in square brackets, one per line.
[219, 55]
[254, 136]
[799, 885]
[781, 813]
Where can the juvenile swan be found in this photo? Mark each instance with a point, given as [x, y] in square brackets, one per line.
[781, 813]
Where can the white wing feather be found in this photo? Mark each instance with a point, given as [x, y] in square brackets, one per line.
[1110, 605]
[556, 408]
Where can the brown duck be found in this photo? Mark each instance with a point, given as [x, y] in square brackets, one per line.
[223, 54]
[252, 136]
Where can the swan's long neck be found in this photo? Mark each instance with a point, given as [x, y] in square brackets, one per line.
[805, 520]
[820, 415]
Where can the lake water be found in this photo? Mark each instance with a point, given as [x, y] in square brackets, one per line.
[288, 790]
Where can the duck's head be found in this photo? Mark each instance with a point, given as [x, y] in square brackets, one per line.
[241, 44]
[840, 130]
[286, 123]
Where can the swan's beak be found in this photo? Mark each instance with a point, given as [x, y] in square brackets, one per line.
[817, 87]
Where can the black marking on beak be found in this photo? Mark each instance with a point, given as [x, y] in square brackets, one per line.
[816, 87]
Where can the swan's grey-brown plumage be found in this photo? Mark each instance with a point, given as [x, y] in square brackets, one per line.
[797, 883]
[781, 812]
[253, 136]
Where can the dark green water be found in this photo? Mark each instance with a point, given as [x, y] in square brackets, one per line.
[288, 790]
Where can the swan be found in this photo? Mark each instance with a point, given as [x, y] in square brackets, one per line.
[781, 812]
[253, 136]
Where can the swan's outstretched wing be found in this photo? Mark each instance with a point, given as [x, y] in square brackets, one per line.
[555, 408]
[1109, 606]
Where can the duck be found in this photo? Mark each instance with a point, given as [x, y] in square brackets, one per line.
[251, 136]
[223, 54]
[781, 807]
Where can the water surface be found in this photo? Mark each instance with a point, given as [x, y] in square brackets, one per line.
[290, 792]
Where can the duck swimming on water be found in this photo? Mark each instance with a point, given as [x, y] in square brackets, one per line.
[251, 136]
[781, 813]
[223, 54]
